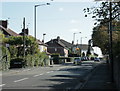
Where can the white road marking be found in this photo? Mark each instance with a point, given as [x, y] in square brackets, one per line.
[58, 69]
[2, 85]
[51, 71]
[17, 71]
[27, 70]
[37, 75]
[47, 72]
[21, 80]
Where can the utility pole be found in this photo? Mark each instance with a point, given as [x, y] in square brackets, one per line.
[110, 42]
[24, 38]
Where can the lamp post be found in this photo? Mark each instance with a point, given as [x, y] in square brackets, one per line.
[81, 39]
[81, 45]
[35, 15]
[74, 37]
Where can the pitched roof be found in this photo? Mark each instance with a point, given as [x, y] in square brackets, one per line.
[61, 42]
[67, 44]
[9, 31]
[41, 43]
[84, 47]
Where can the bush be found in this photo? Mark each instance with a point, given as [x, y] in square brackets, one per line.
[13, 51]
[39, 59]
[29, 60]
[4, 58]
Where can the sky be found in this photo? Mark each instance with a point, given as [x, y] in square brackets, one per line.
[60, 18]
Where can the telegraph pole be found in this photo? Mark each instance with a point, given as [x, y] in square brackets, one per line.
[24, 38]
[110, 43]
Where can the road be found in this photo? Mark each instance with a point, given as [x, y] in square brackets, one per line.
[62, 76]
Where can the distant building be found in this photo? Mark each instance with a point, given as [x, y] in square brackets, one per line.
[83, 48]
[42, 46]
[59, 46]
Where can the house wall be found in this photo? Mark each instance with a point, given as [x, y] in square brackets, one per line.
[53, 47]
[42, 48]
[66, 52]
[59, 50]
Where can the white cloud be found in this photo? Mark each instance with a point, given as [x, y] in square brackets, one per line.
[74, 30]
[61, 9]
[73, 21]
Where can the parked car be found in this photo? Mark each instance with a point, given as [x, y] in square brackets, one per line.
[84, 58]
[77, 61]
[92, 58]
[96, 59]
[17, 63]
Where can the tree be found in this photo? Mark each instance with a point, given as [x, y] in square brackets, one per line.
[31, 46]
[100, 34]
[101, 13]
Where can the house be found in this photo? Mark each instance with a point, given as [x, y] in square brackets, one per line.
[5, 30]
[8, 32]
[42, 46]
[83, 48]
[59, 46]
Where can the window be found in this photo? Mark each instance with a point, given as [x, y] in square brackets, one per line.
[55, 49]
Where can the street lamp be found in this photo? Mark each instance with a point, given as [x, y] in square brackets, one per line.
[35, 15]
[81, 39]
[74, 37]
[81, 45]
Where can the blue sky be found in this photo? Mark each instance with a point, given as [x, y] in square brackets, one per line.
[58, 19]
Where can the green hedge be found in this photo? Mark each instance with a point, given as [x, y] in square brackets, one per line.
[40, 59]
[4, 58]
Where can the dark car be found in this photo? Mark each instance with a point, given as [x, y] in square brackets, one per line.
[96, 59]
[92, 58]
[77, 61]
[17, 63]
[84, 58]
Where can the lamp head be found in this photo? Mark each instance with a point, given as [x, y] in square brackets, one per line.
[48, 3]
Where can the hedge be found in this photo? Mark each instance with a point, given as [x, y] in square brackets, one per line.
[4, 58]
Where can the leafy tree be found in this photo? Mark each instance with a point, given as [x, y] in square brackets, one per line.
[1, 37]
[100, 34]
[101, 13]
[4, 54]
[31, 46]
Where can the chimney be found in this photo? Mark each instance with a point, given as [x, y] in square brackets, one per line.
[4, 23]
[58, 38]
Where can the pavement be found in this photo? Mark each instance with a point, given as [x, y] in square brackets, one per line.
[99, 79]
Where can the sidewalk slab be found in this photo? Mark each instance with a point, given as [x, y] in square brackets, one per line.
[100, 79]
